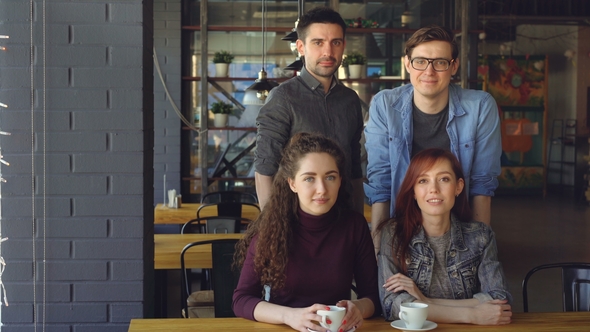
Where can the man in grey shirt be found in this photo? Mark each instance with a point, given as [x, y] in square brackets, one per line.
[314, 102]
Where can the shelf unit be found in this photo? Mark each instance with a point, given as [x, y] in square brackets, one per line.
[562, 150]
[236, 27]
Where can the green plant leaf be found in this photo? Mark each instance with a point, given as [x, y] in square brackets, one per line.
[222, 57]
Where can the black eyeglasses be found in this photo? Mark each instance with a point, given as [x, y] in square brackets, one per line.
[438, 64]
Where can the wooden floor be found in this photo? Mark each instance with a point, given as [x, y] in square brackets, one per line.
[530, 231]
[533, 230]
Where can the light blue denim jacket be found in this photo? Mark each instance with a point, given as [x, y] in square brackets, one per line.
[473, 128]
[472, 265]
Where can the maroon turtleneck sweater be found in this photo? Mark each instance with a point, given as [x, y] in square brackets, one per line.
[326, 255]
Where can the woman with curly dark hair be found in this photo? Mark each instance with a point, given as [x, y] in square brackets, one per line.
[307, 246]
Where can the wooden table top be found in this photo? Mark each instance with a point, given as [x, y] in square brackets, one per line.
[167, 248]
[188, 211]
[521, 322]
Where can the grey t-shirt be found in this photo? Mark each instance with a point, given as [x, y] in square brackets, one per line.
[430, 130]
[440, 286]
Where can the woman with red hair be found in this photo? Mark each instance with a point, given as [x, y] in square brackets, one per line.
[431, 252]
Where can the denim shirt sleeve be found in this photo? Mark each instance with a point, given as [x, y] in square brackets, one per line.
[390, 301]
[488, 150]
[378, 188]
[490, 273]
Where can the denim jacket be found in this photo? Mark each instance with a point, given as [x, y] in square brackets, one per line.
[472, 265]
[474, 131]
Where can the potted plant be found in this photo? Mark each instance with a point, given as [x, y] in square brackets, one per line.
[222, 59]
[221, 113]
[354, 61]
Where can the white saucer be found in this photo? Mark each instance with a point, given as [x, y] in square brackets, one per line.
[400, 325]
[351, 330]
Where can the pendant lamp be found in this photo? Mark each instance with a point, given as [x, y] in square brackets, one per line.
[407, 17]
[262, 85]
[295, 65]
[292, 37]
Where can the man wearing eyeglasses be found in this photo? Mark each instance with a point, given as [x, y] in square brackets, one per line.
[432, 113]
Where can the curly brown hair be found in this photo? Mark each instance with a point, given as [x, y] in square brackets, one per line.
[273, 226]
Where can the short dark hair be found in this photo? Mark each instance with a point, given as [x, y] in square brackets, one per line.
[432, 33]
[319, 15]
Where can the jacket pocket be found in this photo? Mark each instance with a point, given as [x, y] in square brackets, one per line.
[468, 272]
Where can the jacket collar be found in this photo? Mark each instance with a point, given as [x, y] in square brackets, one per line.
[457, 241]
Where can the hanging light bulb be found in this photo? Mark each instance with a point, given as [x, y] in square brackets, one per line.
[250, 98]
[262, 85]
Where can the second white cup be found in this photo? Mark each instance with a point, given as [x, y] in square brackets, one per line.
[335, 315]
[413, 314]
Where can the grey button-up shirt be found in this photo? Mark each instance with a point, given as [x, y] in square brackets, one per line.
[300, 105]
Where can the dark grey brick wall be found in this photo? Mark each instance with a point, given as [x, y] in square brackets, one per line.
[167, 123]
[80, 253]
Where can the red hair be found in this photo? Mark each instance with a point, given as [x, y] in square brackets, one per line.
[407, 215]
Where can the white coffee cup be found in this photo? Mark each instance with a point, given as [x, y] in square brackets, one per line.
[335, 315]
[413, 314]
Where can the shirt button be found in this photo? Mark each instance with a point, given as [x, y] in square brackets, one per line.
[466, 145]
[474, 269]
[453, 254]
[454, 274]
[390, 139]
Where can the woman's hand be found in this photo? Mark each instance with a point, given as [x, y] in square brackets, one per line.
[399, 282]
[495, 312]
[300, 319]
[353, 317]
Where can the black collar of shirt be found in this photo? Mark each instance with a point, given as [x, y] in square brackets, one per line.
[313, 83]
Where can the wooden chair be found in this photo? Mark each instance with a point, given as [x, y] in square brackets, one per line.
[216, 302]
[575, 279]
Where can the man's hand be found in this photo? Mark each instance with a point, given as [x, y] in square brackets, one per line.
[263, 187]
